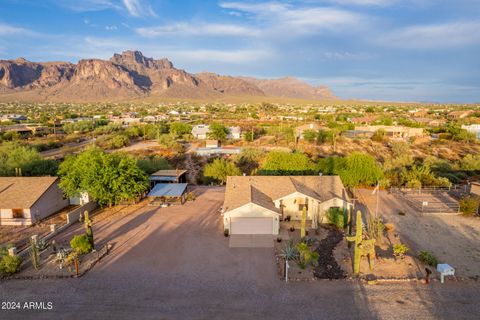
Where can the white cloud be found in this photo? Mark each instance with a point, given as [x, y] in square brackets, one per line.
[434, 36]
[381, 3]
[111, 28]
[286, 20]
[225, 56]
[88, 5]
[7, 30]
[137, 8]
[189, 29]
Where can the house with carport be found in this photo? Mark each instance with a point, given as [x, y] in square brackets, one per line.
[256, 204]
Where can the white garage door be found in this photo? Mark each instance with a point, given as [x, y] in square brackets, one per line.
[252, 226]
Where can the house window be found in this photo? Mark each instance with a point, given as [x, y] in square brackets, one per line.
[301, 206]
[17, 214]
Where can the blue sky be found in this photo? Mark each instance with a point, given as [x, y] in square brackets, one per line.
[398, 50]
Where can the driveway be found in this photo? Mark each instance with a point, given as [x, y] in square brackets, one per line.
[175, 263]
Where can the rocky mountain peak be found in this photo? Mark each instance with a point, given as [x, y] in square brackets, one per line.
[135, 59]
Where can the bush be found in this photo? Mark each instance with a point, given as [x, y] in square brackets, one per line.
[399, 250]
[10, 264]
[336, 217]
[469, 205]
[306, 256]
[428, 258]
[81, 244]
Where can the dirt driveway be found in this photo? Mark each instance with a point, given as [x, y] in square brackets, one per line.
[178, 241]
[453, 239]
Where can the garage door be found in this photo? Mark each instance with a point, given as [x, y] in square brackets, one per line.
[251, 226]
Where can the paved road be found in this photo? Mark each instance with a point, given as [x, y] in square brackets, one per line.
[66, 149]
[175, 263]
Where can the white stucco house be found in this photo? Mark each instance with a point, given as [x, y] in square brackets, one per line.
[200, 131]
[257, 204]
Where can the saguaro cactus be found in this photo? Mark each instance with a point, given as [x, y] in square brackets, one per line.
[303, 223]
[88, 227]
[362, 247]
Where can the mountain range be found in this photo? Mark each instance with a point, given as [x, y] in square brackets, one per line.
[130, 75]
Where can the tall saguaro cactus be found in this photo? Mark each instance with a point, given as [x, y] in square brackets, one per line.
[88, 227]
[303, 223]
[362, 246]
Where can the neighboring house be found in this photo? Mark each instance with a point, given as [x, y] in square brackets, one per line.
[217, 151]
[13, 117]
[257, 204]
[311, 126]
[473, 128]
[430, 122]
[200, 131]
[235, 133]
[394, 131]
[25, 129]
[26, 200]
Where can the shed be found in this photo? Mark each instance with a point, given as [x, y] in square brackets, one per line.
[168, 176]
[169, 192]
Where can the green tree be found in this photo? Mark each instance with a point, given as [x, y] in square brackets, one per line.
[218, 131]
[220, 169]
[180, 128]
[309, 135]
[107, 177]
[356, 169]
[13, 155]
[286, 163]
[470, 163]
[151, 164]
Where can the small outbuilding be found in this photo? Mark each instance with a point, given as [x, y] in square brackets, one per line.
[168, 176]
[168, 193]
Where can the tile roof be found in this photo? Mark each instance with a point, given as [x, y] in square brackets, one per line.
[23, 192]
[263, 190]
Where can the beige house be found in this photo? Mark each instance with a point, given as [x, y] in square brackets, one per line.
[394, 131]
[26, 200]
[257, 204]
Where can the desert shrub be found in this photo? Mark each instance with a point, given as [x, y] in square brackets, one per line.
[81, 244]
[399, 250]
[220, 169]
[290, 251]
[469, 205]
[336, 217]
[306, 256]
[428, 258]
[9, 264]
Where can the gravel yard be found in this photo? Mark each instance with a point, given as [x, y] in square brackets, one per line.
[453, 239]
